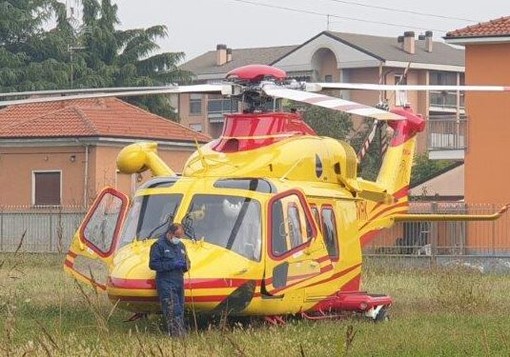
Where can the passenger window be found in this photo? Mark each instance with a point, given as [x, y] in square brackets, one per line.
[316, 216]
[329, 232]
[290, 225]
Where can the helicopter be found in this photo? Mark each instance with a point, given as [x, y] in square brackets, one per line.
[275, 216]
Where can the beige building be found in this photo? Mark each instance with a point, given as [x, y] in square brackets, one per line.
[63, 153]
[347, 57]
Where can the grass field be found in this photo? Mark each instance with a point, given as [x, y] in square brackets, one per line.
[437, 312]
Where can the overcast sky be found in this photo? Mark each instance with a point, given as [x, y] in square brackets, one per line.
[197, 26]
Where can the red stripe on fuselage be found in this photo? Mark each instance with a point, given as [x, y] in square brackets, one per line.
[213, 283]
[269, 281]
[380, 213]
[187, 299]
[337, 275]
[402, 192]
[368, 237]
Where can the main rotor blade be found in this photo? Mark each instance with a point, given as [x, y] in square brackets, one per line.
[316, 87]
[78, 91]
[333, 103]
[201, 88]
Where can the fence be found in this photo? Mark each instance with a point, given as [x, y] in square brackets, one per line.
[51, 230]
[448, 238]
[38, 230]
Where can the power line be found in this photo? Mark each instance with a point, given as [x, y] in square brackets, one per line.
[336, 16]
[403, 11]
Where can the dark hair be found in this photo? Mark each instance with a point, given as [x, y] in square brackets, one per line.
[172, 228]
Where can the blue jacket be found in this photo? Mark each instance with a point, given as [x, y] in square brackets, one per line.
[163, 258]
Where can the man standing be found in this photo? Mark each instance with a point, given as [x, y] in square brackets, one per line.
[168, 257]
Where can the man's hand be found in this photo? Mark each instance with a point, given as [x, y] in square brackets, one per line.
[181, 265]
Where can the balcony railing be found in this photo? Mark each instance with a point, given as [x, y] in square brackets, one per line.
[447, 133]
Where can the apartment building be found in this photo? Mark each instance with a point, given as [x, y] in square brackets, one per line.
[348, 57]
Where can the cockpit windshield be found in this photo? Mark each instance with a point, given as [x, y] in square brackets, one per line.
[230, 222]
[149, 216]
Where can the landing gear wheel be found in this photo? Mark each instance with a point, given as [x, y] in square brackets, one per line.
[382, 315]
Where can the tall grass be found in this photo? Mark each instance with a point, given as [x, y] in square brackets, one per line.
[437, 312]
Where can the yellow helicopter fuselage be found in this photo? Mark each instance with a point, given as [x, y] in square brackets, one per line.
[274, 216]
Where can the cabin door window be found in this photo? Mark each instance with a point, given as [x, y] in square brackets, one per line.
[295, 257]
[100, 228]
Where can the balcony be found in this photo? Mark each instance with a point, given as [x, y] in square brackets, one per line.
[447, 137]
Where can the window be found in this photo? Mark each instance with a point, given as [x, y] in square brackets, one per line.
[445, 99]
[195, 104]
[316, 216]
[99, 230]
[442, 78]
[329, 232]
[328, 78]
[47, 188]
[400, 96]
[149, 216]
[230, 222]
[290, 225]
[196, 127]
[217, 105]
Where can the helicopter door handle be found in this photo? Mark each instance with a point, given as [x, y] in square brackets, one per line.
[314, 264]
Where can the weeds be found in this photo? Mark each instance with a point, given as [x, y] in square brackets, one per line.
[436, 311]
[462, 290]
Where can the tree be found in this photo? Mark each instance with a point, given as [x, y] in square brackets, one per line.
[115, 58]
[30, 58]
[95, 54]
[327, 122]
[370, 163]
[424, 168]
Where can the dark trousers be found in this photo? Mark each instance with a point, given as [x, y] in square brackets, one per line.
[171, 297]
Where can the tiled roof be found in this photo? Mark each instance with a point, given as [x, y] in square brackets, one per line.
[206, 63]
[492, 28]
[108, 117]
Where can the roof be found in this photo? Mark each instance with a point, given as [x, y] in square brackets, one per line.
[105, 117]
[206, 63]
[492, 28]
[383, 48]
[388, 49]
[449, 183]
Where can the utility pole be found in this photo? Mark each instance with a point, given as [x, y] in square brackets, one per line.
[71, 49]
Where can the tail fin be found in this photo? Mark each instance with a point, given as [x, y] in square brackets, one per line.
[395, 173]
[394, 176]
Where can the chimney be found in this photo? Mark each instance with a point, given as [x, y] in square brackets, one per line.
[428, 41]
[229, 55]
[409, 42]
[400, 40]
[221, 54]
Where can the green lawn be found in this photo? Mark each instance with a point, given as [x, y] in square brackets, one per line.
[437, 312]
